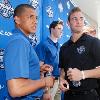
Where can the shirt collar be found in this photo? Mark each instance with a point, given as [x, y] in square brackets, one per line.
[51, 42]
[82, 38]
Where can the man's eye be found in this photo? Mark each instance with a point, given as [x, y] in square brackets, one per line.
[74, 18]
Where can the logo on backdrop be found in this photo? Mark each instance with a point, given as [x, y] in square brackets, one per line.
[33, 39]
[1, 58]
[6, 9]
[49, 11]
[34, 3]
[5, 33]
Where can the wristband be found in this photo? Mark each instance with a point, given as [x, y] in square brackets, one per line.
[83, 75]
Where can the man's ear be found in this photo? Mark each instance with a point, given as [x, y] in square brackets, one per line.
[68, 24]
[17, 20]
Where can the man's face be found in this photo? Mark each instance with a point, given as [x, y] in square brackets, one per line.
[27, 21]
[76, 22]
[57, 31]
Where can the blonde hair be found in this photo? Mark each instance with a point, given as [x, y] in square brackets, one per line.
[90, 30]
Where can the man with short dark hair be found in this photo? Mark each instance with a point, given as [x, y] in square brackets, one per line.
[48, 53]
[79, 60]
[21, 62]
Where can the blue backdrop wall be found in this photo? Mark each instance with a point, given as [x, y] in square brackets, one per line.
[47, 11]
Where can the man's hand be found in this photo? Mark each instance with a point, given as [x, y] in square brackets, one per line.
[45, 67]
[63, 84]
[74, 74]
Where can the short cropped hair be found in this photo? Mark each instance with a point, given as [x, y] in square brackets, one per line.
[54, 24]
[75, 9]
[21, 8]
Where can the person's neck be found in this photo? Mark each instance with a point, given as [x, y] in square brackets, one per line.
[76, 36]
[27, 34]
[53, 38]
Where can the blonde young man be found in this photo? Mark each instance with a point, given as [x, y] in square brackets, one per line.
[79, 61]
